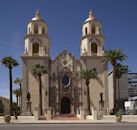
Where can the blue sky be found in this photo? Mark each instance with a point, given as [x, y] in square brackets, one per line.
[65, 19]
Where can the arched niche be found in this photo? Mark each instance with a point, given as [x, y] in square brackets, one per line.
[93, 47]
[35, 48]
[43, 30]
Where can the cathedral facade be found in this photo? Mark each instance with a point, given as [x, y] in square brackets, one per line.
[63, 89]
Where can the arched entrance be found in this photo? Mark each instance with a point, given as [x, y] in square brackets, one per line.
[65, 105]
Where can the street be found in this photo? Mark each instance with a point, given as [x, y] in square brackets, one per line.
[110, 126]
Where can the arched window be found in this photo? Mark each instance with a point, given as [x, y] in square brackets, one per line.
[93, 29]
[35, 48]
[43, 31]
[94, 48]
[35, 29]
[29, 30]
[86, 31]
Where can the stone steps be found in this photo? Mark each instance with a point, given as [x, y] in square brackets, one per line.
[65, 117]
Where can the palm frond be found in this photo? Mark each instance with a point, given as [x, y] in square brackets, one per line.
[17, 92]
[120, 70]
[89, 74]
[112, 56]
[38, 69]
[18, 81]
[9, 62]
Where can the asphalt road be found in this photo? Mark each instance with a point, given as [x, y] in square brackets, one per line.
[113, 126]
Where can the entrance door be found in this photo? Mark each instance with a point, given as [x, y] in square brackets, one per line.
[65, 105]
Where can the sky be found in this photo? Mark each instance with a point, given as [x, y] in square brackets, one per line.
[65, 19]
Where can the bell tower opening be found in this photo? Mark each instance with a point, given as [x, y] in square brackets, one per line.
[65, 105]
[35, 29]
[93, 29]
[86, 31]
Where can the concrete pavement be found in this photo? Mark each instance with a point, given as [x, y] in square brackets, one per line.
[105, 119]
[111, 126]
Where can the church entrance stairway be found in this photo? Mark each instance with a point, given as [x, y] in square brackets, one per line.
[65, 117]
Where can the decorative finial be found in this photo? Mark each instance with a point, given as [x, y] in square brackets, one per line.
[37, 14]
[90, 12]
[91, 15]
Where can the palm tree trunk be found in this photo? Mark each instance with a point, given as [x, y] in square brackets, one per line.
[40, 95]
[114, 88]
[17, 100]
[118, 94]
[118, 90]
[20, 99]
[88, 98]
[10, 80]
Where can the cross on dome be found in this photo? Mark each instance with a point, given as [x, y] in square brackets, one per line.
[37, 15]
[91, 15]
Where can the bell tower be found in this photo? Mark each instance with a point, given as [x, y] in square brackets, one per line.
[92, 40]
[37, 42]
[37, 45]
[91, 54]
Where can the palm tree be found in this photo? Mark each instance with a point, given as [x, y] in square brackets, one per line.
[19, 81]
[9, 62]
[17, 93]
[112, 57]
[87, 75]
[39, 70]
[120, 70]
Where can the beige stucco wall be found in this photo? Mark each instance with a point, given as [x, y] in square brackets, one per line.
[98, 85]
[31, 84]
[122, 90]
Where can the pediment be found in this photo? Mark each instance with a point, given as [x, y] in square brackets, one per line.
[65, 54]
[65, 59]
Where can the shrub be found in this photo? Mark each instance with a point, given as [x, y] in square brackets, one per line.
[119, 112]
[7, 118]
[119, 115]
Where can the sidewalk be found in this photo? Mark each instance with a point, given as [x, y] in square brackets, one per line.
[106, 119]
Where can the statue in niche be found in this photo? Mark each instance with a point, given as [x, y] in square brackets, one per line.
[28, 106]
[101, 102]
[28, 96]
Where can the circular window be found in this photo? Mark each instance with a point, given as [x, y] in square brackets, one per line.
[65, 80]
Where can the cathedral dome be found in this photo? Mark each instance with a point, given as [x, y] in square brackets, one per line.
[37, 25]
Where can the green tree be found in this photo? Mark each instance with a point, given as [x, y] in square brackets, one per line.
[87, 75]
[19, 82]
[112, 57]
[9, 62]
[17, 93]
[38, 70]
